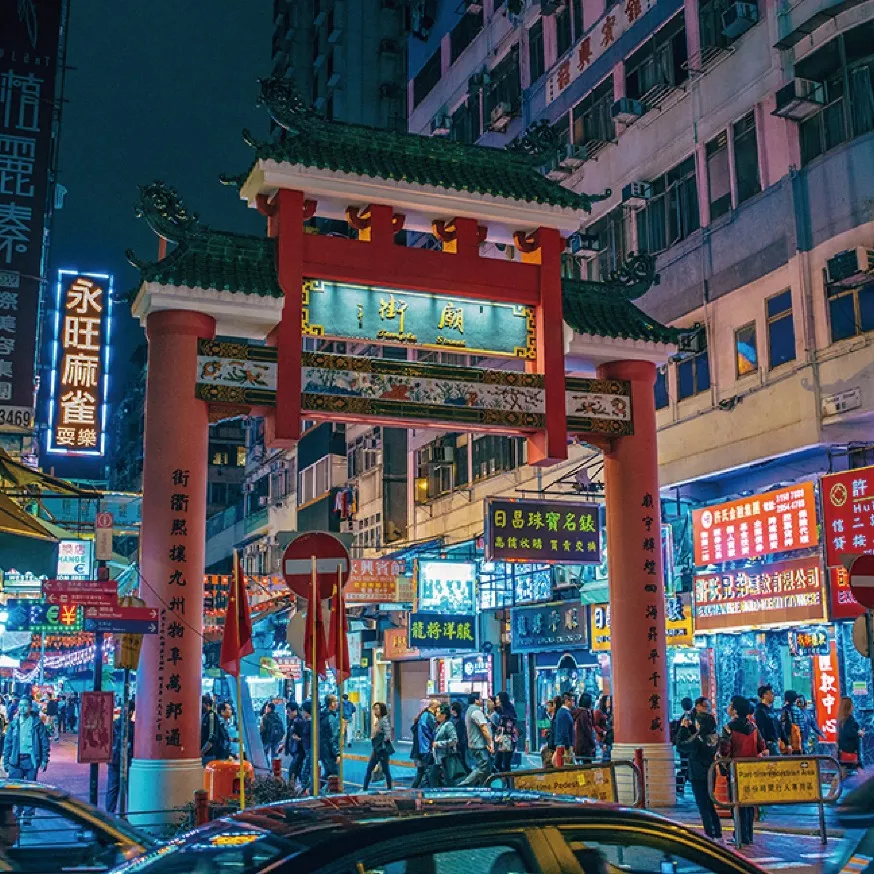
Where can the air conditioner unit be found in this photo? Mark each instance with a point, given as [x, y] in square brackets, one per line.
[441, 125]
[636, 194]
[473, 6]
[571, 156]
[626, 110]
[501, 116]
[800, 99]
[554, 170]
[850, 268]
[739, 18]
[442, 454]
[583, 245]
[692, 340]
[552, 7]
[263, 501]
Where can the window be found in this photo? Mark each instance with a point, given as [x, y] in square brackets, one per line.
[493, 455]
[490, 856]
[466, 127]
[846, 67]
[593, 123]
[781, 329]
[746, 157]
[851, 311]
[562, 130]
[672, 212]
[577, 10]
[745, 352]
[563, 35]
[506, 84]
[710, 18]
[314, 481]
[661, 388]
[218, 493]
[219, 455]
[657, 67]
[464, 33]
[693, 375]
[241, 456]
[612, 237]
[718, 175]
[536, 58]
[425, 80]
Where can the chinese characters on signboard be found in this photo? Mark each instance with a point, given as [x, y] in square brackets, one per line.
[777, 521]
[806, 643]
[77, 416]
[679, 629]
[427, 321]
[594, 43]
[548, 627]
[446, 586]
[29, 35]
[442, 631]
[785, 591]
[373, 581]
[790, 780]
[542, 531]
[842, 602]
[396, 646]
[826, 693]
[848, 513]
[75, 559]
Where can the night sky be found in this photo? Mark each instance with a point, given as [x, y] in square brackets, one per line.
[157, 89]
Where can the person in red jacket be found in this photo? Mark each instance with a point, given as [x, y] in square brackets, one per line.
[741, 740]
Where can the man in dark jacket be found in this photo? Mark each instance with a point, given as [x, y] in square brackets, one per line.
[272, 732]
[292, 745]
[698, 741]
[25, 747]
[329, 736]
[423, 741]
[564, 730]
[767, 721]
[113, 783]
[584, 730]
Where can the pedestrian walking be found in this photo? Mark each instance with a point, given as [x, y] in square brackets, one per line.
[790, 723]
[585, 745]
[604, 726]
[741, 740]
[52, 717]
[564, 733]
[698, 741]
[272, 732]
[424, 729]
[349, 710]
[506, 734]
[810, 730]
[62, 715]
[306, 742]
[381, 746]
[209, 731]
[686, 707]
[26, 746]
[767, 720]
[329, 737]
[457, 716]
[849, 738]
[446, 771]
[113, 781]
[547, 751]
[480, 741]
[291, 744]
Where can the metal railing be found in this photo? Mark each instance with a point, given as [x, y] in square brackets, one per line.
[775, 780]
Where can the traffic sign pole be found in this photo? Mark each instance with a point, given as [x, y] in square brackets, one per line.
[314, 685]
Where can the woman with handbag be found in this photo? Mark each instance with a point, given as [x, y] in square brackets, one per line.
[382, 745]
[506, 733]
[849, 737]
[447, 764]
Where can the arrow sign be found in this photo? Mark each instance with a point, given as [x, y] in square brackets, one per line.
[121, 626]
[91, 593]
[123, 614]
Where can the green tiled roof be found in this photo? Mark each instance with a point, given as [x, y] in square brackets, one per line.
[604, 310]
[220, 260]
[311, 141]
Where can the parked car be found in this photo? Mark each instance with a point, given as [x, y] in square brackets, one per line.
[453, 832]
[61, 833]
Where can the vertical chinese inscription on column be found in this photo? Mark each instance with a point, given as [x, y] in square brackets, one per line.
[29, 36]
[652, 601]
[173, 635]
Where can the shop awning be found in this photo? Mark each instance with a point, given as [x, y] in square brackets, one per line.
[26, 544]
[23, 476]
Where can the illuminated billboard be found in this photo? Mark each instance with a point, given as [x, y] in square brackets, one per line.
[80, 364]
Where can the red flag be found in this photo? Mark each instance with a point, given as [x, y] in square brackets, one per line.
[321, 646]
[237, 637]
[339, 629]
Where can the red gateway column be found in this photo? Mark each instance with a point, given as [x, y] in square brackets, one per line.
[166, 767]
[637, 593]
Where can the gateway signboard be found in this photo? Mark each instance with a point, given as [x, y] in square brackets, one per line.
[760, 594]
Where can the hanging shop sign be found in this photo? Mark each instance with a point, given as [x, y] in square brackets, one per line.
[442, 631]
[29, 38]
[848, 513]
[75, 559]
[760, 594]
[777, 521]
[95, 728]
[234, 376]
[679, 627]
[14, 581]
[827, 693]
[842, 602]
[446, 587]
[424, 321]
[542, 531]
[373, 581]
[40, 617]
[476, 669]
[396, 646]
[548, 627]
[80, 370]
[807, 643]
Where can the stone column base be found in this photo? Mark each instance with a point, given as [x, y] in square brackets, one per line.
[155, 786]
[661, 773]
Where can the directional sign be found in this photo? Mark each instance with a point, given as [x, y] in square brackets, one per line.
[121, 626]
[862, 580]
[88, 593]
[331, 559]
[124, 614]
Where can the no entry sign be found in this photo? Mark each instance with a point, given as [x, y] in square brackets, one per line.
[862, 580]
[331, 559]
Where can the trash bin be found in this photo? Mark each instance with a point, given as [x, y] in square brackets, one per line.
[221, 779]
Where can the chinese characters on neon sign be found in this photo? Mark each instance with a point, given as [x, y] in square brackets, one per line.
[81, 372]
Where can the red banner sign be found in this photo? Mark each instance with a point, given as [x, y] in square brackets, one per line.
[395, 645]
[848, 513]
[373, 581]
[760, 594]
[842, 603]
[826, 693]
[95, 727]
[777, 521]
